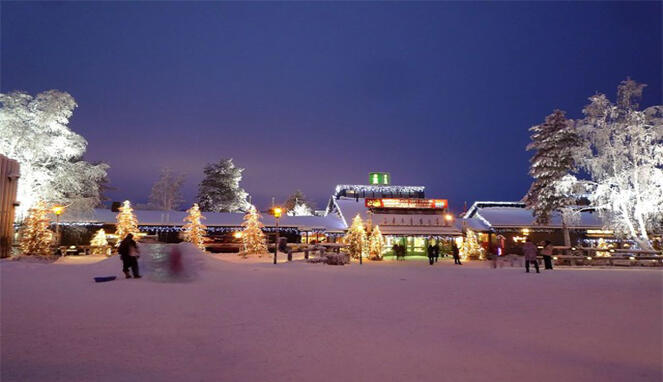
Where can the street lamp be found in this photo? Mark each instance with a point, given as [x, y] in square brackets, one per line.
[57, 210]
[277, 214]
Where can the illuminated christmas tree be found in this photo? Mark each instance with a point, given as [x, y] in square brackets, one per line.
[99, 243]
[356, 238]
[471, 247]
[602, 244]
[375, 244]
[126, 222]
[253, 239]
[36, 238]
[194, 230]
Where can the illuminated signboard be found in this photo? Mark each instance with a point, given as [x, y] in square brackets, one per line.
[436, 204]
[376, 178]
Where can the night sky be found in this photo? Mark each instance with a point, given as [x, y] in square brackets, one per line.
[310, 95]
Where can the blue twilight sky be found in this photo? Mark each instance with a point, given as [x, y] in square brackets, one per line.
[309, 95]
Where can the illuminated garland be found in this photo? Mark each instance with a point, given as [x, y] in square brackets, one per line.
[376, 188]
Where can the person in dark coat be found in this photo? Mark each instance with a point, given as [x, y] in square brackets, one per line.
[529, 250]
[456, 253]
[436, 252]
[547, 253]
[431, 254]
[128, 251]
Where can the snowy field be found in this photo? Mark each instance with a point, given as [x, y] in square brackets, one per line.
[249, 320]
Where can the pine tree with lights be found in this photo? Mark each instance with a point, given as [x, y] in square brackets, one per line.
[36, 238]
[126, 222]
[375, 244]
[194, 230]
[99, 243]
[471, 247]
[253, 239]
[356, 238]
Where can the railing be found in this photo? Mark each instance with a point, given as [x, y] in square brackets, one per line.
[78, 250]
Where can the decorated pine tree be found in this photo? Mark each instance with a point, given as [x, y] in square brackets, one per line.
[126, 222]
[219, 191]
[554, 143]
[253, 239]
[375, 244]
[194, 230]
[36, 238]
[471, 249]
[356, 238]
[98, 243]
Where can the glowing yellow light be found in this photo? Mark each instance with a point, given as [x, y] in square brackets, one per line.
[589, 257]
[277, 212]
[237, 235]
[554, 257]
[573, 248]
[448, 217]
[631, 257]
[525, 231]
[58, 210]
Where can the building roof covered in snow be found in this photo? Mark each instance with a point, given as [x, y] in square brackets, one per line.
[219, 219]
[514, 214]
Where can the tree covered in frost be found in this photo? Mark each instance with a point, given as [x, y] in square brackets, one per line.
[219, 191]
[554, 143]
[166, 193]
[34, 131]
[623, 157]
[298, 205]
[301, 209]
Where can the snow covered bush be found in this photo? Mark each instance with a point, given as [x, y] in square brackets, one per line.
[34, 131]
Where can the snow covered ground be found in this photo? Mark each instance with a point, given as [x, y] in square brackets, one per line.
[249, 320]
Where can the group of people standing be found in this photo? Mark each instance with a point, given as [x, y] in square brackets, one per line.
[531, 251]
[433, 252]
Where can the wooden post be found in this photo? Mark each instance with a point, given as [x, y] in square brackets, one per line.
[9, 175]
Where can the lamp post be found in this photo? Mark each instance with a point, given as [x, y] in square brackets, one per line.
[57, 210]
[277, 214]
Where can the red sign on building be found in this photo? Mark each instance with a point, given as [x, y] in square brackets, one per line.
[434, 204]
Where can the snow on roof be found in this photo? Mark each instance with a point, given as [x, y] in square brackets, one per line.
[521, 217]
[176, 218]
[475, 224]
[348, 208]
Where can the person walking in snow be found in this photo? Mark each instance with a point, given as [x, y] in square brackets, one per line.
[128, 251]
[431, 254]
[547, 253]
[456, 253]
[529, 250]
[436, 252]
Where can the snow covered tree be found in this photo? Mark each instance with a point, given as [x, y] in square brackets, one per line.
[166, 193]
[555, 142]
[471, 249]
[36, 238]
[253, 239]
[219, 191]
[99, 243]
[34, 131]
[375, 244]
[194, 230]
[301, 209]
[356, 239]
[126, 222]
[298, 205]
[623, 158]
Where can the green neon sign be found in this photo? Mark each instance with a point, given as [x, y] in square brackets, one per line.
[377, 178]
